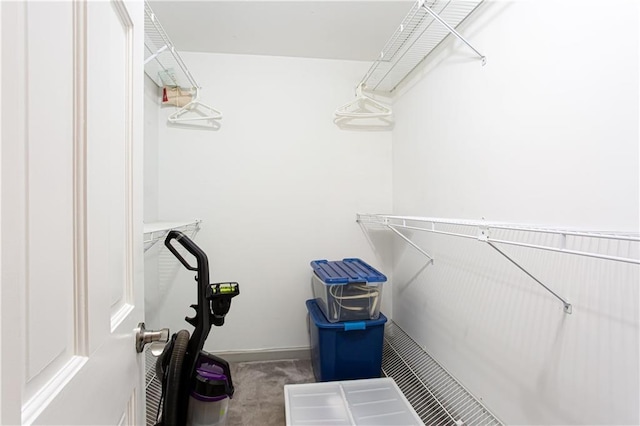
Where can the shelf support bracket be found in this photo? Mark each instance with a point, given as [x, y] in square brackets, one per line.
[411, 243]
[453, 31]
[567, 305]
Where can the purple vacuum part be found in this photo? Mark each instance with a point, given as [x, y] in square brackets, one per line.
[207, 398]
[210, 374]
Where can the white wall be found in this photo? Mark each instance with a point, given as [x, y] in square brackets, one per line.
[278, 185]
[547, 133]
[151, 128]
[150, 208]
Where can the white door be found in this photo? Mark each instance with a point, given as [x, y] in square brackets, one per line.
[71, 197]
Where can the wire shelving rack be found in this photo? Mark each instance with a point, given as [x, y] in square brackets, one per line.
[155, 231]
[581, 242]
[424, 28]
[162, 62]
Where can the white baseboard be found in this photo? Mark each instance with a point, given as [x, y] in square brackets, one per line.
[265, 354]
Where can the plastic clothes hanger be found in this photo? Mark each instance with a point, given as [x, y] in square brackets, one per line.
[201, 110]
[363, 107]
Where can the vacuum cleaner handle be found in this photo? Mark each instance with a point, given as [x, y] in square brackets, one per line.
[202, 319]
[190, 246]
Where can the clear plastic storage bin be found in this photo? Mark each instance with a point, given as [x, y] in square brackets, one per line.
[369, 402]
[347, 290]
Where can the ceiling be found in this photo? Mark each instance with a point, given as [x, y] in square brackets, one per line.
[330, 29]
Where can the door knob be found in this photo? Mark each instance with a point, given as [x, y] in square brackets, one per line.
[144, 336]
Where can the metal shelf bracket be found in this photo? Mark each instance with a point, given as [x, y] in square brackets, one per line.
[411, 243]
[452, 30]
[567, 305]
[484, 237]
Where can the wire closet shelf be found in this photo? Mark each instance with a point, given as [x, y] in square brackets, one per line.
[581, 242]
[156, 231]
[438, 398]
[424, 28]
[162, 62]
[165, 67]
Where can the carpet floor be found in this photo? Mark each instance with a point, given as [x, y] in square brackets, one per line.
[259, 395]
[259, 390]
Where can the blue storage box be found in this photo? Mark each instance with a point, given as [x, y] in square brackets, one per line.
[346, 350]
[347, 290]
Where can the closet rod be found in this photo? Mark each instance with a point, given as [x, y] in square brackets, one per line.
[155, 55]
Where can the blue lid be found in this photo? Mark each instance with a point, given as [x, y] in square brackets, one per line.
[346, 271]
[321, 321]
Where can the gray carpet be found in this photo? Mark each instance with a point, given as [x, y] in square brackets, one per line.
[259, 390]
[259, 396]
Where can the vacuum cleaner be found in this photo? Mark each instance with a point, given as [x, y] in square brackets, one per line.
[196, 385]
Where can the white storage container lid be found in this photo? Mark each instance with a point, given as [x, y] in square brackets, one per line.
[368, 402]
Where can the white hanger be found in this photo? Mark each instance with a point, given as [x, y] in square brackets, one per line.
[363, 107]
[203, 111]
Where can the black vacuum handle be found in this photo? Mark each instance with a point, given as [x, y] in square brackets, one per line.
[202, 319]
[190, 246]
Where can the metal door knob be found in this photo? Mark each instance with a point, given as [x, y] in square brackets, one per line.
[144, 336]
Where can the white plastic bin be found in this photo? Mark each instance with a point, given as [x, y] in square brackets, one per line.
[370, 402]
